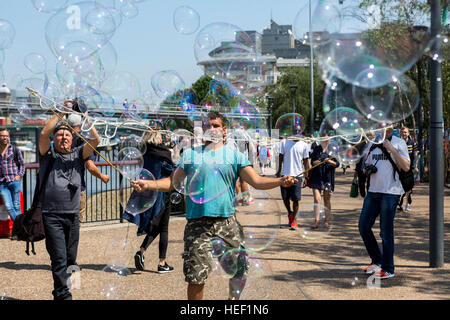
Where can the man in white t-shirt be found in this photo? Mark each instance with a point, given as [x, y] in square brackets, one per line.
[381, 200]
[293, 160]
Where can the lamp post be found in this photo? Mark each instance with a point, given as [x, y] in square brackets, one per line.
[311, 66]
[436, 224]
[270, 106]
[293, 88]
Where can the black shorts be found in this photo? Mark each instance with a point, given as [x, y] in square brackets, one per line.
[293, 193]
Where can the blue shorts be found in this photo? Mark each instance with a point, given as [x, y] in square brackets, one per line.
[293, 193]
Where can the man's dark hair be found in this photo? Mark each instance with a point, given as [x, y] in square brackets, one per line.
[217, 115]
[3, 129]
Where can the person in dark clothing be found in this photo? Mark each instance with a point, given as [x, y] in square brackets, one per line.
[362, 178]
[155, 220]
[413, 151]
[60, 199]
[322, 179]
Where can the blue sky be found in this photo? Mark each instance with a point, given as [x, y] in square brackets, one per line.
[147, 43]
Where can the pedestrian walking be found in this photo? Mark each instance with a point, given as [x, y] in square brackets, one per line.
[381, 201]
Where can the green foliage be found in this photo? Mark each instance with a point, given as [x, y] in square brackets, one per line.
[283, 100]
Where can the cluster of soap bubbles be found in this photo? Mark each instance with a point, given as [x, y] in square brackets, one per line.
[79, 36]
[363, 54]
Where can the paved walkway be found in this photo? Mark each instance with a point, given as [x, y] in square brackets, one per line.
[293, 267]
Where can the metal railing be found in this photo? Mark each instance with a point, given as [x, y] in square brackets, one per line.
[102, 200]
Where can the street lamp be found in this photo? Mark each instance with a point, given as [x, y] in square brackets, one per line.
[293, 88]
[270, 105]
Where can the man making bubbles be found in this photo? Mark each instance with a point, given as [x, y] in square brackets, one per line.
[209, 220]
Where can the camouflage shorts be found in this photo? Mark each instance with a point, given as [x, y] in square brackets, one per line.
[198, 235]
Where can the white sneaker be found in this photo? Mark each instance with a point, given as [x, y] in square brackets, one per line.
[408, 208]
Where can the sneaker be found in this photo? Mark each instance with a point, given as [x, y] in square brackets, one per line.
[293, 225]
[372, 268]
[139, 260]
[408, 207]
[245, 202]
[399, 208]
[250, 200]
[164, 269]
[383, 275]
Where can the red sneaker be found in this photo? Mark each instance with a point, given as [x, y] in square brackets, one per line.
[293, 225]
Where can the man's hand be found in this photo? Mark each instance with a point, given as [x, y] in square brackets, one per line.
[287, 181]
[105, 178]
[416, 170]
[139, 185]
[17, 178]
[388, 145]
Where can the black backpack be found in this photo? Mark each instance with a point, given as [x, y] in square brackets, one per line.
[29, 226]
[406, 177]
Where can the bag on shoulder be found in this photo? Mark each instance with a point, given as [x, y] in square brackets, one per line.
[29, 226]
[406, 177]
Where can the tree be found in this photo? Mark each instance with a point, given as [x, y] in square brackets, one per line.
[281, 93]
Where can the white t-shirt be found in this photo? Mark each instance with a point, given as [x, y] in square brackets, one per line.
[293, 154]
[383, 181]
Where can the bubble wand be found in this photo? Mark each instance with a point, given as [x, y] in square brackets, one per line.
[81, 137]
[304, 172]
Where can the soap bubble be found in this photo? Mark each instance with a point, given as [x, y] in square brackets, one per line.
[377, 38]
[7, 34]
[202, 189]
[260, 218]
[88, 22]
[306, 218]
[135, 202]
[290, 125]
[175, 198]
[114, 283]
[218, 39]
[133, 141]
[326, 20]
[118, 253]
[250, 278]
[392, 102]
[49, 6]
[186, 20]
[35, 62]
[166, 83]
[131, 161]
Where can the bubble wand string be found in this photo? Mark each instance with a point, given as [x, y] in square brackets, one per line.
[82, 138]
[303, 173]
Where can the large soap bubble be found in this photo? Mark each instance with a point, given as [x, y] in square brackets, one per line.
[374, 37]
[260, 220]
[135, 202]
[325, 21]
[7, 34]
[88, 22]
[392, 102]
[49, 6]
[186, 20]
[166, 83]
[290, 125]
[221, 48]
[35, 62]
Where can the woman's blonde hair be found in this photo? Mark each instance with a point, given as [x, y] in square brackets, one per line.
[153, 137]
